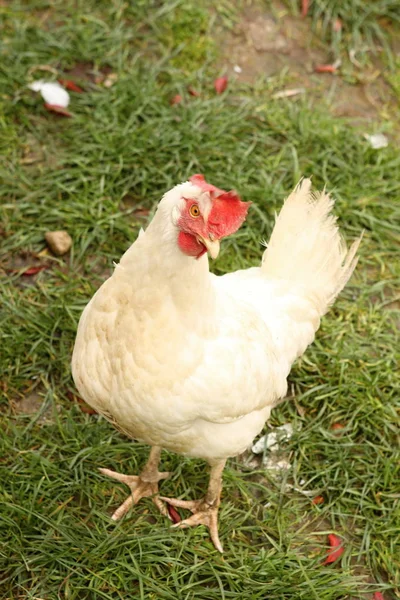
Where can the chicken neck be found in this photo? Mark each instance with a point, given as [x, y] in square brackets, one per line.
[156, 252]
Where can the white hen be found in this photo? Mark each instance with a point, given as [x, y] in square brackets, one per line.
[184, 360]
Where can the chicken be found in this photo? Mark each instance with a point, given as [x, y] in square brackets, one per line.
[182, 359]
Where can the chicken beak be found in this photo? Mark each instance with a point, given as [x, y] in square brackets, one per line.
[212, 246]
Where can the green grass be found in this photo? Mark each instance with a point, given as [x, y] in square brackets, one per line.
[365, 26]
[123, 148]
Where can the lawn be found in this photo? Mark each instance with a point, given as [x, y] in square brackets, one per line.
[99, 175]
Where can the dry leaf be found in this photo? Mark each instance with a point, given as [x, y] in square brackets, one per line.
[318, 500]
[176, 100]
[305, 5]
[288, 93]
[220, 84]
[337, 426]
[85, 408]
[33, 270]
[337, 25]
[70, 85]
[325, 69]
[335, 549]
[193, 92]
[59, 110]
[173, 513]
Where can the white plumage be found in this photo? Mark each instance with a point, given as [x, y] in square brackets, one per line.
[185, 360]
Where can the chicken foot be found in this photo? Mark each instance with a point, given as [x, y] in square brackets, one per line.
[205, 510]
[141, 486]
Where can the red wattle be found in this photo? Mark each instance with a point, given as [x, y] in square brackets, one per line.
[189, 245]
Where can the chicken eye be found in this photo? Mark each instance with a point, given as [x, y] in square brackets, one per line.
[194, 210]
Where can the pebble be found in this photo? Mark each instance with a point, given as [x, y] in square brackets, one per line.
[59, 242]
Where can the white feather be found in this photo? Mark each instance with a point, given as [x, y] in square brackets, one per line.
[306, 246]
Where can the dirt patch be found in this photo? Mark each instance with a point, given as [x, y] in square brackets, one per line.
[268, 43]
[32, 404]
[26, 266]
[29, 405]
[87, 72]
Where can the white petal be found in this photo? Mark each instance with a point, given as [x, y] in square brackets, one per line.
[52, 92]
[36, 86]
[377, 140]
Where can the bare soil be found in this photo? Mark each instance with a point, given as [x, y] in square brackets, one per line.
[266, 43]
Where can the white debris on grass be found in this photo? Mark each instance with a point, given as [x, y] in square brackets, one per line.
[288, 93]
[309, 493]
[270, 446]
[271, 463]
[237, 69]
[271, 439]
[377, 140]
[52, 92]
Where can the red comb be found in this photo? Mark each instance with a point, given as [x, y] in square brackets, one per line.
[228, 211]
[227, 214]
[200, 181]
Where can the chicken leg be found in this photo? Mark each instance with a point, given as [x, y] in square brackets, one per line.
[205, 510]
[142, 486]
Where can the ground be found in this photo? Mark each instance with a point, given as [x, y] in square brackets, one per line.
[98, 175]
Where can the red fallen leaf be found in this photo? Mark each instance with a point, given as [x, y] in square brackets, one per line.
[71, 396]
[193, 92]
[336, 549]
[82, 404]
[59, 110]
[173, 513]
[318, 500]
[325, 69]
[337, 25]
[337, 426]
[378, 596]
[305, 5]
[70, 85]
[176, 100]
[220, 84]
[85, 408]
[33, 270]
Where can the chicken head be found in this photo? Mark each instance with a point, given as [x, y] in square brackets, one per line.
[206, 215]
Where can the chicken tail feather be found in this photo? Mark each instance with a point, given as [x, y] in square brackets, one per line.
[307, 248]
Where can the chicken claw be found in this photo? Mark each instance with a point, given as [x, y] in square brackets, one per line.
[141, 486]
[205, 511]
[203, 514]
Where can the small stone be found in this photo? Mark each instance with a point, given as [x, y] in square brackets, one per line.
[110, 80]
[59, 242]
